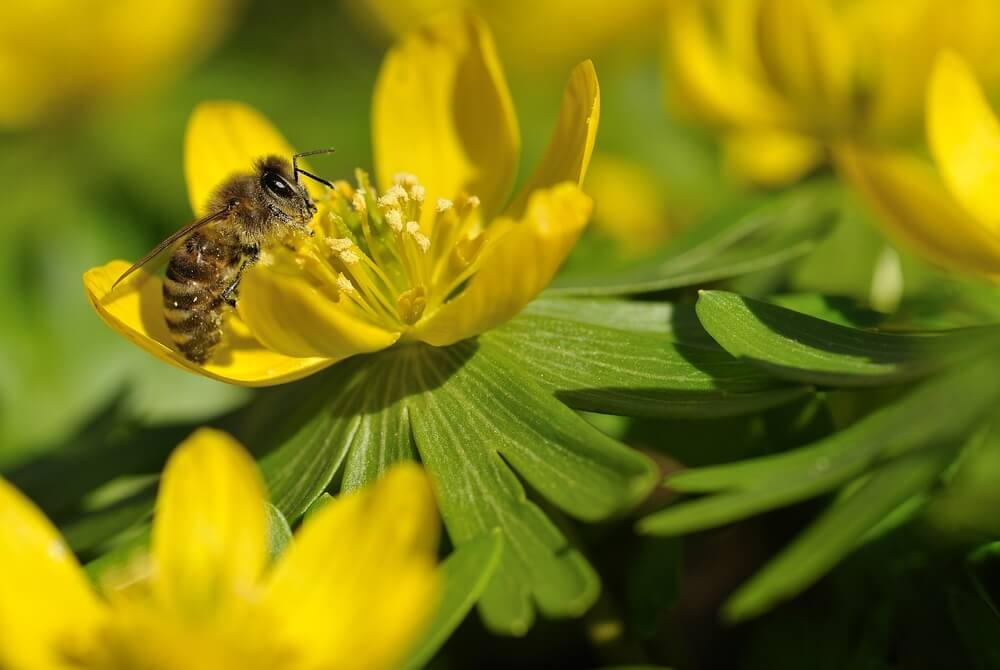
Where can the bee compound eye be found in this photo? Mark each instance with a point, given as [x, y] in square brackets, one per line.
[277, 185]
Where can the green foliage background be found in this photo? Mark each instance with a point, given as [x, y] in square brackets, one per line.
[840, 476]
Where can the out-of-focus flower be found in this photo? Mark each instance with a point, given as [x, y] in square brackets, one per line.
[546, 35]
[57, 54]
[630, 206]
[783, 79]
[951, 216]
[353, 589]
[429, 252]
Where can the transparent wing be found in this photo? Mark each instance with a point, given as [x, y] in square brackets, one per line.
[169, 242]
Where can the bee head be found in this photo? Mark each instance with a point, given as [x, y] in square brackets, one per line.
[285, 196]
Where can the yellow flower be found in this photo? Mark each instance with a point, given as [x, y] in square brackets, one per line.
[951, 217]
[534, 35]
[428, 252]
[629, 204]
[55, 54]
[353, 588]
[783, 79]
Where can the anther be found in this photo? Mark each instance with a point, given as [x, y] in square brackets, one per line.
[395, 220]
[444, 204]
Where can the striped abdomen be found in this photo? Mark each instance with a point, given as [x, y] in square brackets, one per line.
[201, 270]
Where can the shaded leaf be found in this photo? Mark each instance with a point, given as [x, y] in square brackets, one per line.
[806, 349]
[593, 360]
[279, 534]
[487, 414]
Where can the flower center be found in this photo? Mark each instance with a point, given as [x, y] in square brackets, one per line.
[389, 255]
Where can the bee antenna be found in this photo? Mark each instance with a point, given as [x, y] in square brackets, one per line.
[296, 170]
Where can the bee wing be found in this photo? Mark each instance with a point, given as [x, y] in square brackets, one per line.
[169, 242]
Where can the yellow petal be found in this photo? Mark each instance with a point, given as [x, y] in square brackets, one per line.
[442, 111]
[807, 56]
[289, 315]
[515, 268]
[770, 157]
[46, 604]
[713, 74]
[358, 581]
[223, 139]
[209, 538]
[964, 136]
[135, 310]
[914, 207]
[572, 143]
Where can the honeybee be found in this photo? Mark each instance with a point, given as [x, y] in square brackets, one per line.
[247, 212]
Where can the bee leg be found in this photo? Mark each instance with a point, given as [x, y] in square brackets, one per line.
[250, 256]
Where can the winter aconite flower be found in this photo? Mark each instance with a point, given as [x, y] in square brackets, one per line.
[782, 79]
[411, 291]
[952, 217]
[57, 54]
[354, 588]
[427, 250]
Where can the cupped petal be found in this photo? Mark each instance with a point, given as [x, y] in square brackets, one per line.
[48, 610]
[572, 144]
[806, 56]
[359, 580]
[964, 137]
[914, 207]
[514, 268]
[135, 310]
[209, 538]
[713, 74]
[442, 111]
[225, 138]
[770, 157]
[289, 315]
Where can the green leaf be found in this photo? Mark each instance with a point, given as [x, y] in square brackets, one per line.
[279, 534]
[803, 348]
[473, 416]
[838, 531]
[464, 575]
[928, 415]
[479, 417]
[591, 358]
[731, 243]
[885, 462]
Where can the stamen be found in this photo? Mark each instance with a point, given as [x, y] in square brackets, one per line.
[394, 218]
[444, 204]
[358, 202]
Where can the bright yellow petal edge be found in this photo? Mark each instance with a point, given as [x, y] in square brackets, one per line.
[135, 310]
[964, 137]
[210, 490]
[359, 581]
[47, 606]
[914, 208]
[515, 269]
[441, 110]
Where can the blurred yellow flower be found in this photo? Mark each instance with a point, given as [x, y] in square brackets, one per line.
[783, 79]
[56, 54]
[534, 35]
[428, 253]
[952, 217]
[353, 589]
[629, 205]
